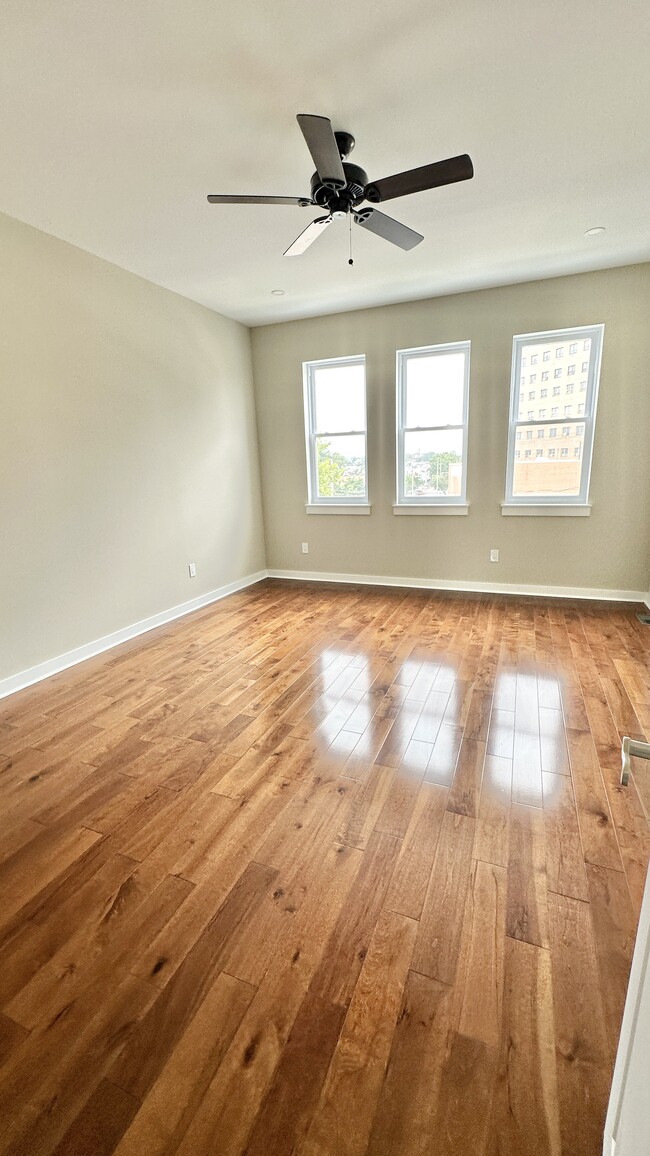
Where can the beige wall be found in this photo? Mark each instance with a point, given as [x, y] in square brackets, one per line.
[128, 449]
[609, 550]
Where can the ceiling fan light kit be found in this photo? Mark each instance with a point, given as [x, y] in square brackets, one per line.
[340, 187]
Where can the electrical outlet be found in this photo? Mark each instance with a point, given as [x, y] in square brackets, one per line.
[494, 555]
[305, 547]
[192, 569]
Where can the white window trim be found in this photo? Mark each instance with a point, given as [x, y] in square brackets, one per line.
[576, 505]
[339, 508]
[338, 504]
[456, 503]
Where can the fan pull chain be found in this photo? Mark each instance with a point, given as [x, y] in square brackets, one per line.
[350, 261]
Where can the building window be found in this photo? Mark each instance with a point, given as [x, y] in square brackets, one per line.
[528, 453]
[529, 434]
[585, 367]
[335, 428]
[547, 355]
[531, 395]
[432, 409]
[583, 387]
[517, 454]
[518, 435]
[543, 393]
[540, 432]
[531, 412]
[555, 477]
[533, 378]
[545, 375]
[534, 359]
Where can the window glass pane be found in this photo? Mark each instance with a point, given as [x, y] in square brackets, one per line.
[557, 471]
[435, 389]
[341, 466]
[433, 464]
[339, 398]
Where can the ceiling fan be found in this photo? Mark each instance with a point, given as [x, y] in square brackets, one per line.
[340, 187]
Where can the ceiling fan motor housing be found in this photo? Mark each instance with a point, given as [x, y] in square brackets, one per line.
[341, 200]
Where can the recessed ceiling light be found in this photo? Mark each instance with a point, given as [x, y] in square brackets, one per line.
[277, 292]
[595, 231]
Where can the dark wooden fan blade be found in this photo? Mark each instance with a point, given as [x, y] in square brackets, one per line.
[321, 142]
[308, 236]
[388, 228]
[227, 199]
[417, 180]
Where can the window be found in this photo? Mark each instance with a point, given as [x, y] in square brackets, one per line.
[528, 453]
[545, 375]
[533, 378]
[547, 355]
[531, 412]
[585, 367]
[335, 428]
[529, 434]
[518, 435]
[523, 379]
[432, 408]
[559, 476]
[543, 393]
[557, 373]
[534, 359]
[583, 386]
[517, 454]
[531, 395]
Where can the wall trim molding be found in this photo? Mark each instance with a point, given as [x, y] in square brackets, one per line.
[24, 678]
[586, 592]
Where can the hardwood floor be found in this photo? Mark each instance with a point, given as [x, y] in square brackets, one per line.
[325, 872]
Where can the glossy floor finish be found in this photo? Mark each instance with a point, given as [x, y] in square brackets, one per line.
[325, 872]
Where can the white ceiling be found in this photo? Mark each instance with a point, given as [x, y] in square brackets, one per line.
[116, 120]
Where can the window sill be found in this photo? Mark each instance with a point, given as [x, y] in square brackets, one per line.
[512, 509]
[460, 508]
[361, 508]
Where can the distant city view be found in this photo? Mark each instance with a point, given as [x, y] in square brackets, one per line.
[553, 389]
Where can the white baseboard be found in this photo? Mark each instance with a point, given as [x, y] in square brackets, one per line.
[53, 665]
[468, 587]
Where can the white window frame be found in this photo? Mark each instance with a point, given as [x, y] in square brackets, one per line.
[452, 503]
[547, 502]
[340, 503]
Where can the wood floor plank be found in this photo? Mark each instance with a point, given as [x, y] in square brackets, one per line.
[438, 941]
[525, 1113]
[527, 912]
[582, 1054]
